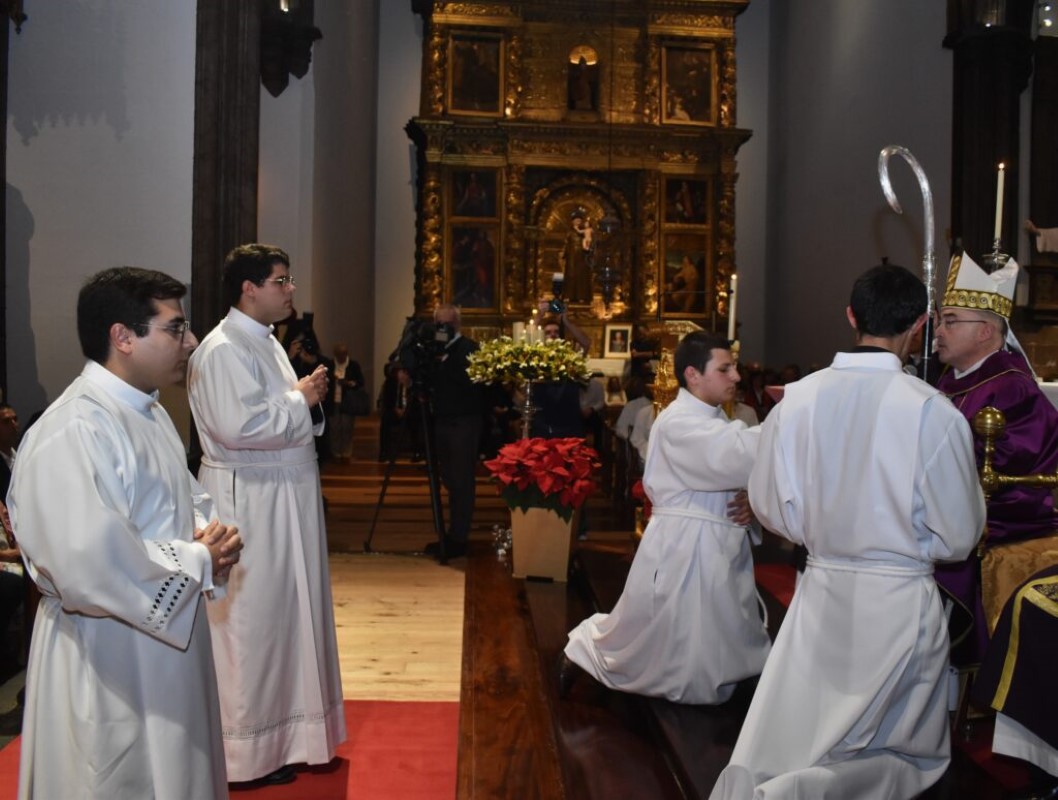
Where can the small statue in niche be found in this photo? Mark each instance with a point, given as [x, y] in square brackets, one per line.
[583, 79]
[575, 257]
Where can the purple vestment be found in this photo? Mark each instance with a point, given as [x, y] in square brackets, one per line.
[1029, 445]
[1017, 675]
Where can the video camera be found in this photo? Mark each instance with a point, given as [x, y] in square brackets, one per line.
[557, 305]
[421, 343]
[310, 345]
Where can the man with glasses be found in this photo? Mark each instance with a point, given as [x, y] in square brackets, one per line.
[121, 698]
[274, 638]
[986, 367]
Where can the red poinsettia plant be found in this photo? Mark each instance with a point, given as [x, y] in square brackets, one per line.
[545, 473]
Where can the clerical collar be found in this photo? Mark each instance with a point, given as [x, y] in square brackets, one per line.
[869, 348]
[962, 373]
[118, 388]
[247, 323]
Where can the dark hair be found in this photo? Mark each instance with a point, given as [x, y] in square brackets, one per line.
[635, 387]
[886, 300]
[124, 295]
[249, 262]
[695, 350]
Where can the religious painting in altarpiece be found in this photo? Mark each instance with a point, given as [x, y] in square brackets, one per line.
[687, 275]
[476, 74]
[688, 74]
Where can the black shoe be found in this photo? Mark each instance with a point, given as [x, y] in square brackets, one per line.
[454, 548]
[284, 774]
[1045, 791]
[568, 672]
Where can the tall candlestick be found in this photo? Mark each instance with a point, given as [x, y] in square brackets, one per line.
[518, 331]
[999, 200]
[732, 297]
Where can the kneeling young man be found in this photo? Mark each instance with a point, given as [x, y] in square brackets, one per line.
[687, 626]
[872, 470]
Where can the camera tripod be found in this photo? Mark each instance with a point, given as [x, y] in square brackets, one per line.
[402, 435]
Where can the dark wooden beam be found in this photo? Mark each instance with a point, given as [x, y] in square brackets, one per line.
[227, 127]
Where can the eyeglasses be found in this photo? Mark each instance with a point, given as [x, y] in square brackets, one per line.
[174, 329]
[283, 282]
[949, 321]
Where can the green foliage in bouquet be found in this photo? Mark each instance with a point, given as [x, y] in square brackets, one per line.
[511, 362]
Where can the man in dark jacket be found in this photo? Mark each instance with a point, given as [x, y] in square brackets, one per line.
[457, 412]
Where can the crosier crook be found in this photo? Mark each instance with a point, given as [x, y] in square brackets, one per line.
[928, 262]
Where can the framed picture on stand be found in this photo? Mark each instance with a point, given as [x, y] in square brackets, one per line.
[617, 341]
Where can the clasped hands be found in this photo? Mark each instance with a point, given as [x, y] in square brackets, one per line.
[314, 386]
[224, 545]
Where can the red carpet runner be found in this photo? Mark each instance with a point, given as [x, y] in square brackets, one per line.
[395, 751]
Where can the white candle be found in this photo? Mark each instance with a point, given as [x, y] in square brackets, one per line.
[999, 201]
[518, 331]
[732, 297]
[530, 332]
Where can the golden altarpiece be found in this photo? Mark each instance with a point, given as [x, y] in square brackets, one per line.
[591, 138]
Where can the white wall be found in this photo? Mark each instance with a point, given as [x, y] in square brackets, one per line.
[400, 59]
[99, 146]
[848, 79]
[343, 211]
[285, 179]
[751, 211]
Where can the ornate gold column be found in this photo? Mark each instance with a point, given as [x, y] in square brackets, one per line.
[514, 236]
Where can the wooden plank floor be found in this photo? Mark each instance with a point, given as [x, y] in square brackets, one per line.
[399, 614]
[399, 623]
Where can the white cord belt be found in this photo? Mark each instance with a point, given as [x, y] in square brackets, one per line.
[693, 513]
[893, 570]
[296, 460]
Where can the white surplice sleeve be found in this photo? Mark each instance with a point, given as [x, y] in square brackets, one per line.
[772, 495]
[954, 506]
[72, 498]
[234, 404]
[709, 455]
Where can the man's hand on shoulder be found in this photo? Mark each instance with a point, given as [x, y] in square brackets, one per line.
[738, 510]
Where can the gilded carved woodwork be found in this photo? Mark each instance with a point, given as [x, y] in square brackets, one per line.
[513, 77]
[514, 285]
[727, 90]
[652, 82]
[434, 69]
[428, 290]
[647, 298]
[552, 152]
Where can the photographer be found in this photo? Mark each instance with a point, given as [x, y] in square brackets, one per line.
[457, 414]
